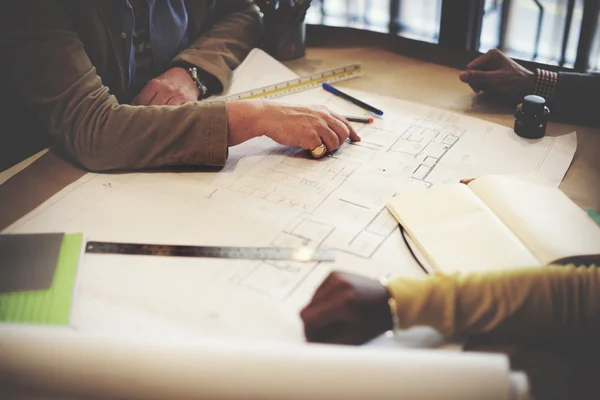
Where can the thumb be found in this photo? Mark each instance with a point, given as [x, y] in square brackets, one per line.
[464, 76]
[479, 78]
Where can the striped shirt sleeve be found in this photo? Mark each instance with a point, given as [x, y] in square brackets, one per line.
[545, 84]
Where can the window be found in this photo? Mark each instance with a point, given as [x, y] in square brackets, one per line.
[555, 32]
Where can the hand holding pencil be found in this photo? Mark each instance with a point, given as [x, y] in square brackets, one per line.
[314, 128]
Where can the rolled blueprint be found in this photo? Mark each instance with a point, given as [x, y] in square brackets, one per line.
[70, 365]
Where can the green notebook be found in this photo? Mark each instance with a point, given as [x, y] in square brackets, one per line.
[32, 294]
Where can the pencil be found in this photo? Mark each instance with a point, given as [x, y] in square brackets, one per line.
[364, 120]
[351, 99]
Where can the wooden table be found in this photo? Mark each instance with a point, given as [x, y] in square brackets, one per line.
[399, 68]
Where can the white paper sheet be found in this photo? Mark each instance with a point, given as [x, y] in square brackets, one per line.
[75, 365]
[258, 70]
[272, 195]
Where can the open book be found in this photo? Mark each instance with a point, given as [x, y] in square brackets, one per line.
[495, 221]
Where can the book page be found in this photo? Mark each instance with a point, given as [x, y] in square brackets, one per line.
[543, 217]
[457, 232]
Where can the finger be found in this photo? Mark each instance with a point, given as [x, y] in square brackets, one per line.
[319, 151]
[340, 129]
[160, 99]
[318, 319]
[475, 88]
[329, 285]
[315, 316]
[351, 132]
[348, 334]
[332, 333]
[482, 79]
[175, 101]
[464, 76]
[329, 138]
[483, 62]
[145, 95]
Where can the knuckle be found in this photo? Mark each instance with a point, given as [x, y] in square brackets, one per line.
[340, 280]
[335, 276]
[304, 314]
[179, 93]
[311, 141]
[325, 114]
[313, 144]
[349, 297]
[320, 124]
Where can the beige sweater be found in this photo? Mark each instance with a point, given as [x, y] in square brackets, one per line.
[556, 301]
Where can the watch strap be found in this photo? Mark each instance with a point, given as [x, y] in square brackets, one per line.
[202, 89]
[201, 79]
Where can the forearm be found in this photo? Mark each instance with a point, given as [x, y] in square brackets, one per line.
[101, 134]
[237, 30]
[538, 302]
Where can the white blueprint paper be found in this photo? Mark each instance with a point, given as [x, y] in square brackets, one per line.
[270, 195]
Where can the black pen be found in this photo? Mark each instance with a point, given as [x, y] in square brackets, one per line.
[351, 99]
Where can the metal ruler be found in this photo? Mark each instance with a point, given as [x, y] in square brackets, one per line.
[299, 84]
[301, 254]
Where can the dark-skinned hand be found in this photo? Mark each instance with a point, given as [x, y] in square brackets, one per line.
[497, 74]
[347, 309]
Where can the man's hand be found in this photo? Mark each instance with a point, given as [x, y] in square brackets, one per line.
[494, 72]
[173, 88]
[300, 126]
[347, 309]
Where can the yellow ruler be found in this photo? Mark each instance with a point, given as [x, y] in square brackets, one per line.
[299, 84]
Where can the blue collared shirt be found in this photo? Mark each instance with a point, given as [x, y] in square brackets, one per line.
[168, 35]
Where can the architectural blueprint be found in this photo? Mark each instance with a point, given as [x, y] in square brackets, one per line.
[271, 195]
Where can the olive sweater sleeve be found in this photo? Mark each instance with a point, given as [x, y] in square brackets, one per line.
[555, 301]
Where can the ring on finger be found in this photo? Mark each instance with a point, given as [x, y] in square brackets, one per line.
[319, 151]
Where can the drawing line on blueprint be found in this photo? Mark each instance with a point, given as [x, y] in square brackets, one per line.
[284, 277]
[537, 167]
[306, 187]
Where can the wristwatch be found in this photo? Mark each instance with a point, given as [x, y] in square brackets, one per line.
[202, 89]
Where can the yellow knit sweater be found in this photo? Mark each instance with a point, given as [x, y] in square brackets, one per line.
[555, 301]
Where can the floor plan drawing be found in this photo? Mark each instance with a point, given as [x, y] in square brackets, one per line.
[317, 189]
